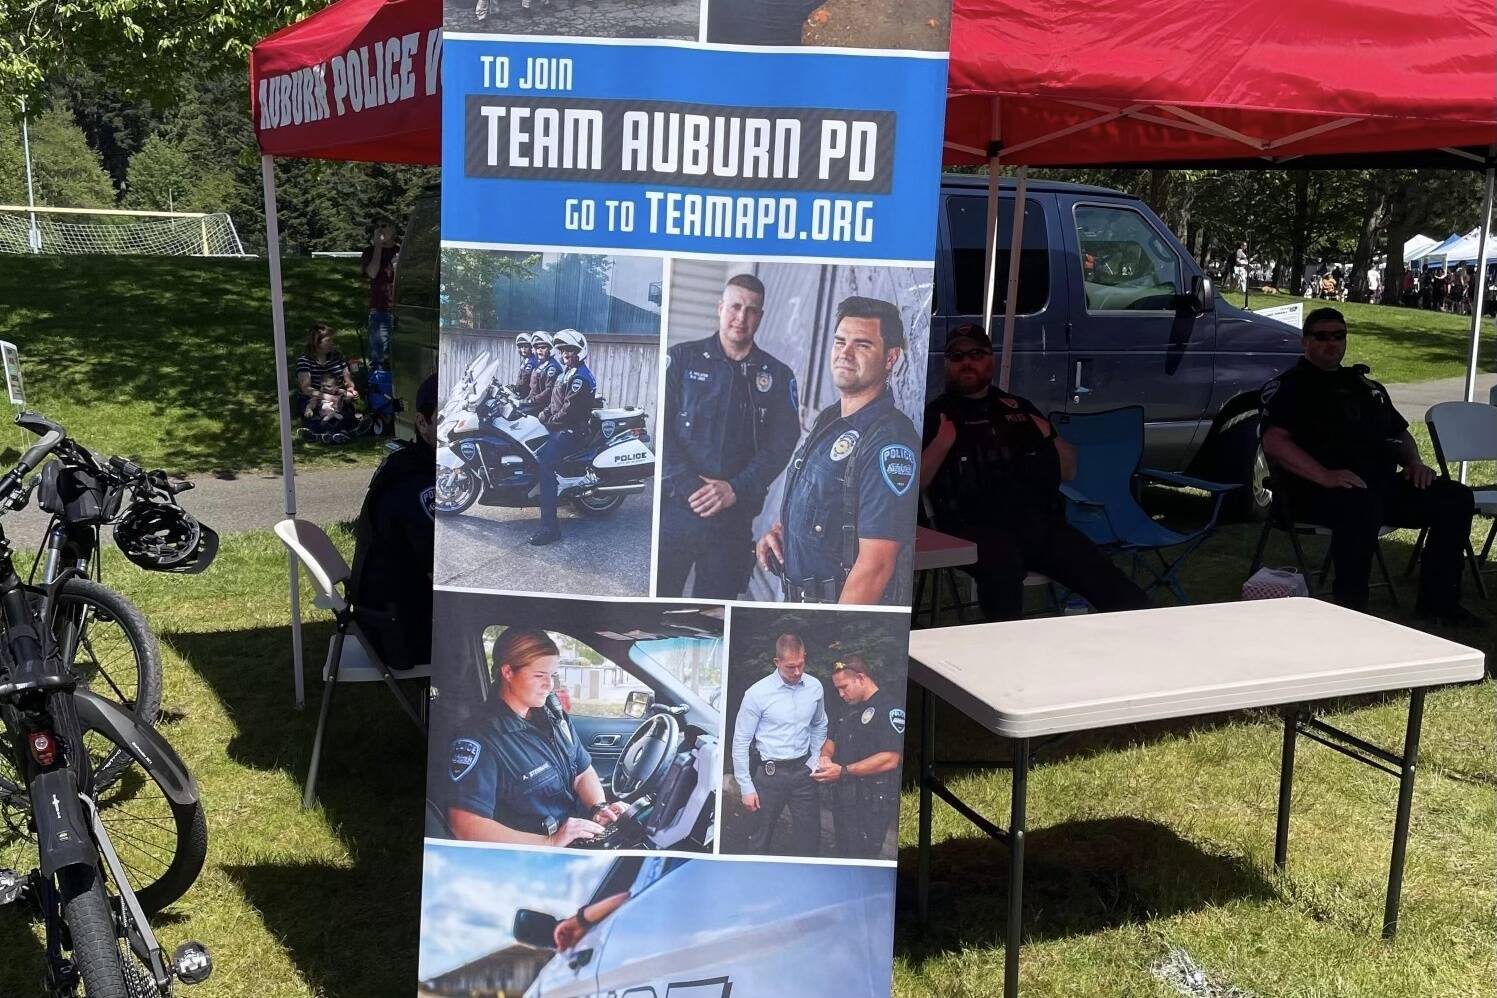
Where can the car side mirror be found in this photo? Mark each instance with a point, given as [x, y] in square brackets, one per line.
[535, 928]
[638, 702]
[1202, 296]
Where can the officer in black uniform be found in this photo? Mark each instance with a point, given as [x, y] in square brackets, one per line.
[573, 398]
[860, 763]
[1339, 445]
[992, 467]
[731, 425]
[394, 543]
[520, 774]
[543, 376]
[847, 520]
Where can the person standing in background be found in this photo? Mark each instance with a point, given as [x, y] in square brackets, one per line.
[378, 264]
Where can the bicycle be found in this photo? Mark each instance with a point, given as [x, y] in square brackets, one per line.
[82, 889]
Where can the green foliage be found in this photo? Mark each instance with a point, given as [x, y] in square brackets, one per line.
[160, 177]
[66, 173]
[469, 277]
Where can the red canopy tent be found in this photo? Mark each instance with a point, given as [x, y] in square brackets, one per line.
[1356, 83]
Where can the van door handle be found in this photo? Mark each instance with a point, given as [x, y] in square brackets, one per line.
[1079, 389]
[581, 959]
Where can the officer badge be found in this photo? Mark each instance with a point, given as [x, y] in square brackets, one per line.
[897, 462]
[896, 720]
[868, 715]
[465, 752]
[843, 445]
[764, 381]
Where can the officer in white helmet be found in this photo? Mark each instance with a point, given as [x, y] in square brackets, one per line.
[547, 370]
[521, 386]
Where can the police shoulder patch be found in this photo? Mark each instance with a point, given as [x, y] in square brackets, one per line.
[464, 756]
[429, 502]
[896, 463]
[843, 445]
[794, 394]
[576, 385]
[1269, 390]
[896, 720]
[868, 715]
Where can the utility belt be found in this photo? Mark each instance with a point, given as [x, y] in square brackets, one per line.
[770, 765]
[811, 590]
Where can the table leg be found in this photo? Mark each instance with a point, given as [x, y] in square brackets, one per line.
[1286, 786]
[927, 771]
[1017, 810]
[1405, 803]
[935, 597]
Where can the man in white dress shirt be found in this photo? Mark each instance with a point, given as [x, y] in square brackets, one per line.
[783, 718]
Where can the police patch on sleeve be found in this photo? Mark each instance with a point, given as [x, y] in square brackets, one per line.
[896, 720]
[843, 445]
[464, 756]
[1269, 391]
[429, 502]
[794, 394]
[576, 387]
[897, 463]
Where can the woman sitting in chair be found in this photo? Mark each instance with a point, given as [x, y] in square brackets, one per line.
[326, 390]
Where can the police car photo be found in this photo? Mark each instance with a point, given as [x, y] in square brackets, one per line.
[575, 723]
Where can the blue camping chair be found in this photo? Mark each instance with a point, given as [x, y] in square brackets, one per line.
[1100, 500]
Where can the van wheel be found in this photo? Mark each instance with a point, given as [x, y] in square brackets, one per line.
[1253, 502]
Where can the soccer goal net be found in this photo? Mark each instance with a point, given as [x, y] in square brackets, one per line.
[91, 231]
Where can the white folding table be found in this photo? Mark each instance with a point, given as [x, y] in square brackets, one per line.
[1034, 681]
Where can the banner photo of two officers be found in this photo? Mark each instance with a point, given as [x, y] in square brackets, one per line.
[815, 733]
[790, 432]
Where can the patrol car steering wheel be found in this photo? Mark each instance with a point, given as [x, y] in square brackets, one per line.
[646, 756]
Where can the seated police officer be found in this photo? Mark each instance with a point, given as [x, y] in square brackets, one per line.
[859, 768]
[566, 416]
[992, 466]
[543, 375]
[521, 385]
[1339, 444]
[519, 775]
[731, 424]
[394, 544]
[847, 519]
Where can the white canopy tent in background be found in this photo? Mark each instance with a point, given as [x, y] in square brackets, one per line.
[1467, 250]
[1416, 246]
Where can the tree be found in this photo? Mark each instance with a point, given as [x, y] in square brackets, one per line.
[160, 177]
[66, 173]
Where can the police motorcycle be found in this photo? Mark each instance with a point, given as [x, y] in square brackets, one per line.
[486, 453]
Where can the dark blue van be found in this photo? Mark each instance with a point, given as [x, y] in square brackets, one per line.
[1112, 311]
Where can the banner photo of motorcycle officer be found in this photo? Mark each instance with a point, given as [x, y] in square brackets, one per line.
[543, 924]
[581, 724]
[548, 368]
[815, 733]
[790, 436]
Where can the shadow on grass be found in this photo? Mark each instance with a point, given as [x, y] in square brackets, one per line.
[371, 788]
[1079, 878]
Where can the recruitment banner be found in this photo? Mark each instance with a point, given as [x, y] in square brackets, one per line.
[686, 291]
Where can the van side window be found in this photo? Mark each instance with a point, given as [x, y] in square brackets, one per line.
[966, 220]
[1125, 264]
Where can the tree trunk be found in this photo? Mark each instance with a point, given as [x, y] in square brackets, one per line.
[1300, 234]
[1407, 209]
[1373, 201]
[1159, 193]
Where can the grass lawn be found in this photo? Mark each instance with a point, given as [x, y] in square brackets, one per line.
[1399, 344]
[1142, 839]
[170, 359]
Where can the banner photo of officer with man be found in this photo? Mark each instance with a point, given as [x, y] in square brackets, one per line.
[687, 261]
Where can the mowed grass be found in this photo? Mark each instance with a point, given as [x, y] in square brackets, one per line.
[1399, 344]
[171, 360]
[1142, 839]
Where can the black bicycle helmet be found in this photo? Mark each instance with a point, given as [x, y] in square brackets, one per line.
[164, 538]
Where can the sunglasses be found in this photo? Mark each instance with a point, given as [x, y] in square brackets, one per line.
[975, 353]
[1328, 335]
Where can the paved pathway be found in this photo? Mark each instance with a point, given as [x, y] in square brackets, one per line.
[1412, 400]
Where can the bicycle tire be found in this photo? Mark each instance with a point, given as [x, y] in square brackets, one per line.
[95, 942]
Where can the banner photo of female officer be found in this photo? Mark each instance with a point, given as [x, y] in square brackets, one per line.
[509, 922]
[548, 373]
[790, 435]
[922, 25]
[678, 19]
[815, 733]
[575, 724]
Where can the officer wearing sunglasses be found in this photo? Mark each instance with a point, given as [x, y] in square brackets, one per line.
[992, 468]
[1344, 459]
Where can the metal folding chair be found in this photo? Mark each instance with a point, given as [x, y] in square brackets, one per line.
[1465, 431]
[1100, 500]
[347, 661]
[1281, 517]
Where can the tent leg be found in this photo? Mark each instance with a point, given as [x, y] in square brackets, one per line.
[1478, 296]
[1011, 294]
[283, 386]
[990, 260]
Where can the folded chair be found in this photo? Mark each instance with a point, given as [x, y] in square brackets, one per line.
[1100, 500]
[1281, 517]
[353, 661]
[1466, 431]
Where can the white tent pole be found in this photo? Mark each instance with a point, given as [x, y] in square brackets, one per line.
[283, 386]
[1011, 295]
[1478, 297]
[990, 259]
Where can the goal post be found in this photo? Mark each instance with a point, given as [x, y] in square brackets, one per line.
[108, 231]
